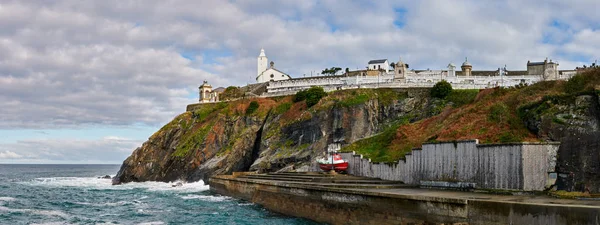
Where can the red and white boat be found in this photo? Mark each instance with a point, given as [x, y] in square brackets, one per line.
[333, 161]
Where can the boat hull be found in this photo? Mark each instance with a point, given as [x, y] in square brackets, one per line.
[337, 167]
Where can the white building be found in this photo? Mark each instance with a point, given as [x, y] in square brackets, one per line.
[206, 93]
[266, 74]
[379, 64]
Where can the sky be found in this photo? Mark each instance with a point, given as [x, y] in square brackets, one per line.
[89, 81]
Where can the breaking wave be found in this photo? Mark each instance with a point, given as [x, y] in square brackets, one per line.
[207, 198]
[94, 183]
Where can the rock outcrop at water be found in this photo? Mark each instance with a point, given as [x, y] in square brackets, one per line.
[223, 137]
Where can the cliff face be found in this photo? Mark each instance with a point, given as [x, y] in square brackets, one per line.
[192, 139]
[280, 135]
[575, 122]
[382, 124]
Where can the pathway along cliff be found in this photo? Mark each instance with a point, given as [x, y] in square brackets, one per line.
[383, 124]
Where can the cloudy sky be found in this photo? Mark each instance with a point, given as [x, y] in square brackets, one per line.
[88, 81]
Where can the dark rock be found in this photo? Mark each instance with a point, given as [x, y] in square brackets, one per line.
[259, 142]
[575, 122]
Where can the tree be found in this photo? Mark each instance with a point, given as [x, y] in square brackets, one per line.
[441, 89]
[347, 70]
[331, 71]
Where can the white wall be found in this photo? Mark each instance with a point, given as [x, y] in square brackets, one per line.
[385, 66]
[271, 75]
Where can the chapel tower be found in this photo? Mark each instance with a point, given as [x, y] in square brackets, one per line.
[262, 62]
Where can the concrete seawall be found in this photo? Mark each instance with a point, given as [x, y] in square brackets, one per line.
[396, 205]
[518, 166]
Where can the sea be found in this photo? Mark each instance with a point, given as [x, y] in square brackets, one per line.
[74, 194]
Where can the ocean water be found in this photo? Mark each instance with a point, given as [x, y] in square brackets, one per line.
[72, 194]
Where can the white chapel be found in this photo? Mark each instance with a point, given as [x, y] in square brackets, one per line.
[266, 74]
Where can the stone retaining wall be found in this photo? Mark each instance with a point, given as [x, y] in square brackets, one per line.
[519, 166]
[362, 206]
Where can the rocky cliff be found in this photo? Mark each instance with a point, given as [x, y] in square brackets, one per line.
[279, 135]
[573, 120]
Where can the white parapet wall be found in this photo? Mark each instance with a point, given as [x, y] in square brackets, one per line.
[287, 87]
[518, 166]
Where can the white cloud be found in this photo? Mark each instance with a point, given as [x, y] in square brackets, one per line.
[9, 155]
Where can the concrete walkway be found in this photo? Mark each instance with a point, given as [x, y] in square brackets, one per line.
[394, 189]
[343, 199]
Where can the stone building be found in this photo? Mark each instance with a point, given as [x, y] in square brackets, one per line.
[267, 74]
[548, 69]
[466, 68]
[400, 70]
[206, 94]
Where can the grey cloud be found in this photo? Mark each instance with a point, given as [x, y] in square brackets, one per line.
[116, 62]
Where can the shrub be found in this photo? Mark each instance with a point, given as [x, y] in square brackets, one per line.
[252, 107]
[284, 107]
[498, 113]
[312, 96]
[462, 97]
[300, 96]
[231, 92]
[575, 84]
[354, 100]
[509, 137]
[441, 89]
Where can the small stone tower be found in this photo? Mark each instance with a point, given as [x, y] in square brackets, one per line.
[205, 92]
[466, 67]
[400, 70]
[262, 62]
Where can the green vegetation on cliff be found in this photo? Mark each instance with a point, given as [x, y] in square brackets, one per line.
[492, 116]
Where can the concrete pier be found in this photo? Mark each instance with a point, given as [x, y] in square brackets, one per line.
[344, 199]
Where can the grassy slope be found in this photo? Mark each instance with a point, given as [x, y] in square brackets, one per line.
[492, 118]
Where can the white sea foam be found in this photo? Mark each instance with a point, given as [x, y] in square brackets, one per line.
[52, 223]
[152, 223]
[119, 203]
[106, 184]
[208, 198]
[7, 199]
[49, 213]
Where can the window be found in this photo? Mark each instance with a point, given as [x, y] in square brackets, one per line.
[272, 75]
